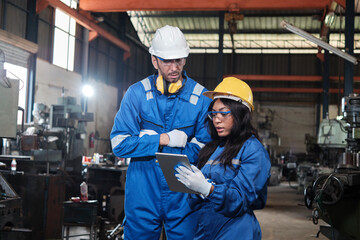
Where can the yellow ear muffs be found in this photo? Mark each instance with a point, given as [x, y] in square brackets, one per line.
[173, 87]
[160, 84]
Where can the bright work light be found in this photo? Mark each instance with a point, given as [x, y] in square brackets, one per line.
[87, 91]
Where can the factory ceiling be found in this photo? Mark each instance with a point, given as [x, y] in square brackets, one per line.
[258, 31]
[249, 26]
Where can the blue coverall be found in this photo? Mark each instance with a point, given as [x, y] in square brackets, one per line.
[148, 200]
[227, 213]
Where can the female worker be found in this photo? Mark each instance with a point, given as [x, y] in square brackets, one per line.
[235, 168]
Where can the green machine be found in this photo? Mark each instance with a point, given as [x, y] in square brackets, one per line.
[68, 118]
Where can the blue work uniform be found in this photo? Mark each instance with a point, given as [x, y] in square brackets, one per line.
[227, 213]
[148, 200]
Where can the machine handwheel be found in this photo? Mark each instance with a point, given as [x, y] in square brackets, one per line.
[309, 196]
[315, 216]
[329, 189]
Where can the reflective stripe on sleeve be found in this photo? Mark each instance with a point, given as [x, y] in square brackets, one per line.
[236, 161]
[146, 83]
[196, 94]
[194, 140]
[118, 139]
[215, 162]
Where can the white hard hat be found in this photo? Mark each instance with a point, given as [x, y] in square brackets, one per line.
[169, 43]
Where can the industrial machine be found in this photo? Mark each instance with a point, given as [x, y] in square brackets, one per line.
[48, 153]
[49, 171]
[270, 141]
[68, 118]
[332, 141]
[11, 213]
[54, 141]
[324, 152]
[335, 197]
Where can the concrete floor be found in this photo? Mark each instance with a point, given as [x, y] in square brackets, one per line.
[286, 217]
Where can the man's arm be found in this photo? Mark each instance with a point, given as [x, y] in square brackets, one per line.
[125, 139]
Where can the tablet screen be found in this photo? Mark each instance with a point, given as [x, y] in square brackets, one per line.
[167, 162]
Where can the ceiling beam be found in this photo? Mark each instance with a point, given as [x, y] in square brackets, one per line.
[239, 31]
[210, 14]
[287, 90]
[254, 31]
[287, 78]
[297, 90]
[200, 5]
[291, 78]
[84, 19]
[336, 78]
[177, 15]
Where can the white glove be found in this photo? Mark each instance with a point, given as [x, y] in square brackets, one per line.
[147, 132]
[177, 138]
[193, 180]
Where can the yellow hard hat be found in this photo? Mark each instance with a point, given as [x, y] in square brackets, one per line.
[235, 89]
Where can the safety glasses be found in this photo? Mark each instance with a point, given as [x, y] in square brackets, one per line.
[218, 114]
[167, 62]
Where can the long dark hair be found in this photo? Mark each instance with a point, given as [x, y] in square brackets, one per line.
[241, 131]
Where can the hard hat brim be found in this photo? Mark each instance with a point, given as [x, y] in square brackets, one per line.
[215, 95]
[170, 55]
[209, 94]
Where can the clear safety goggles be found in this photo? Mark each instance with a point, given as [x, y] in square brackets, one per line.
[167, 62]
[218, 114]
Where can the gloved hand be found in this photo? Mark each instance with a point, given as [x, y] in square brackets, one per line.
[147, 132]
[177, 138]
[193, 180]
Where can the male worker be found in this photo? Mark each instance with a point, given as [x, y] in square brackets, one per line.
[164, 112]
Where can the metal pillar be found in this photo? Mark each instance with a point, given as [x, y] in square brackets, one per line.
[85, 55]
[3, 14]
[349, 47]
[32, 23]
[317, 106]
[122, 70]
[326, 84]
[85, 63]
[221, 47]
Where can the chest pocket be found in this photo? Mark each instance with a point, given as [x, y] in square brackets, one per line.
[186, 119]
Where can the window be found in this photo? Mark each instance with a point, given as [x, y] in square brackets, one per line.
[64, 38]
[19, 73]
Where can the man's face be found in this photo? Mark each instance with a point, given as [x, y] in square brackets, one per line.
[169, 69]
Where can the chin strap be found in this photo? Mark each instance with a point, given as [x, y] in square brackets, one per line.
[164, 87]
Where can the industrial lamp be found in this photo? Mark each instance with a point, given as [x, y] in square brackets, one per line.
[319, 42]
[87, 91]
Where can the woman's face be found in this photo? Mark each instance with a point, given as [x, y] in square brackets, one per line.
[223, 122]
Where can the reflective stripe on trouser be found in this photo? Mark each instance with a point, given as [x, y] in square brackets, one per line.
[148, 201]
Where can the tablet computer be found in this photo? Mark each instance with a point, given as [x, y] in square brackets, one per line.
[167, 162]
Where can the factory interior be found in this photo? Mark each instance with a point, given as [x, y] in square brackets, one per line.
[65, 66]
